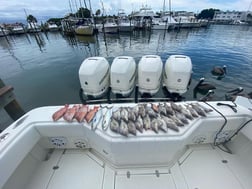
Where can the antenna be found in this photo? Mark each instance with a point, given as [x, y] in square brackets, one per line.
[250, 6]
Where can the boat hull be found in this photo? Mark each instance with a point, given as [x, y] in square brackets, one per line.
[84, 30]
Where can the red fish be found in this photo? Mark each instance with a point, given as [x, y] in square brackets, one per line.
[58, 114]
[82, 112]
[90, 115]
[69, 115]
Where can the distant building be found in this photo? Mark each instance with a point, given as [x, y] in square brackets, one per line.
[232, 16]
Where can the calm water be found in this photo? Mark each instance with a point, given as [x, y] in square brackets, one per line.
[47, 74]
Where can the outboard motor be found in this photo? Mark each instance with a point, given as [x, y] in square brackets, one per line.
[150, 70]
[122, 75]
[94, 76]
[177, 73]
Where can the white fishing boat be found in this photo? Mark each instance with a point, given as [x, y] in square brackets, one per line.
[17, 29]
[110, 26]
[177, 73]
[33, 27]
[209, 152]
[163, 23]
[52, 27]
[142, 19]
[122, 75]
[94, 76]
[149, 74]
[124, 23]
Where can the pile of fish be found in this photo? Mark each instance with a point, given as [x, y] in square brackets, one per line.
[129, 120]
[79, 112]
[161, 117]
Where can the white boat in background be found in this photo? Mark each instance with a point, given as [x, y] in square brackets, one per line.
[187, 22]
[123, 75]
[149, 74]
[17, 29]
[163, 23]
[52, 27]
[3, 31]
[110, 26]
[208, 152]
[84, 27]
[124, 23]
[33, 27]
[94, 76]
[177, 73]
[142, 19]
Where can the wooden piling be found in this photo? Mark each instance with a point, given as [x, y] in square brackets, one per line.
[8, 101]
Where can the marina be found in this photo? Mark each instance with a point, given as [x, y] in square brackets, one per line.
[38, 66]
[142, 100]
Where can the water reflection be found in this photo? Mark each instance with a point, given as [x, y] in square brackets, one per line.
[64, 54]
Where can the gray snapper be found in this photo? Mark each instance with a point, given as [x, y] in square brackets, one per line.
[123, 128]
[162, 109]
[177, 121]
[206, 110]
[155, 125]
[131, 114]
[139, 124]
[114, 125]
[169, 110]
[192, 111]
[141, 108]
[147, 122]
[187, 113]
[132, 128]
[124, 114]
[117, 114]
[198, 110]
[181, 117]
[170, 123]
[175, 107]
[162, 125]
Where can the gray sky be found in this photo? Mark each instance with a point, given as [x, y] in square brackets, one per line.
[14, 9]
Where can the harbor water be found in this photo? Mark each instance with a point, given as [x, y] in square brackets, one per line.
[43, 69]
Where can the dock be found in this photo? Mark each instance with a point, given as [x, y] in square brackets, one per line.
[9, 102]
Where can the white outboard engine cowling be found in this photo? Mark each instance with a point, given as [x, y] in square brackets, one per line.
[94, 76]
[150, 74]
[177, 73]
[122, 75]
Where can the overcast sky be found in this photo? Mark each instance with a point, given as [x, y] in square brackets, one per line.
[14, 9]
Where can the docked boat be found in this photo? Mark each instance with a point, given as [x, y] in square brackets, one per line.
[212, 150]
[110, 26]
[17, 29]
[177, 73]
[124, 23]
[163, 23]
[122, 75]
[149, 74]
[84, 27]
[94, 76]
[142, 19]
[52, 27]
[33, 27]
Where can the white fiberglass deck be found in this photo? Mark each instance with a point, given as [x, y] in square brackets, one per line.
[201, 167]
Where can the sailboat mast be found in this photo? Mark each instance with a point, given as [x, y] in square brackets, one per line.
[170, 10]
[163, 8]
[82, 16]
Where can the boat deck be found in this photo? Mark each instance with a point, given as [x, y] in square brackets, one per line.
[201, 167]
